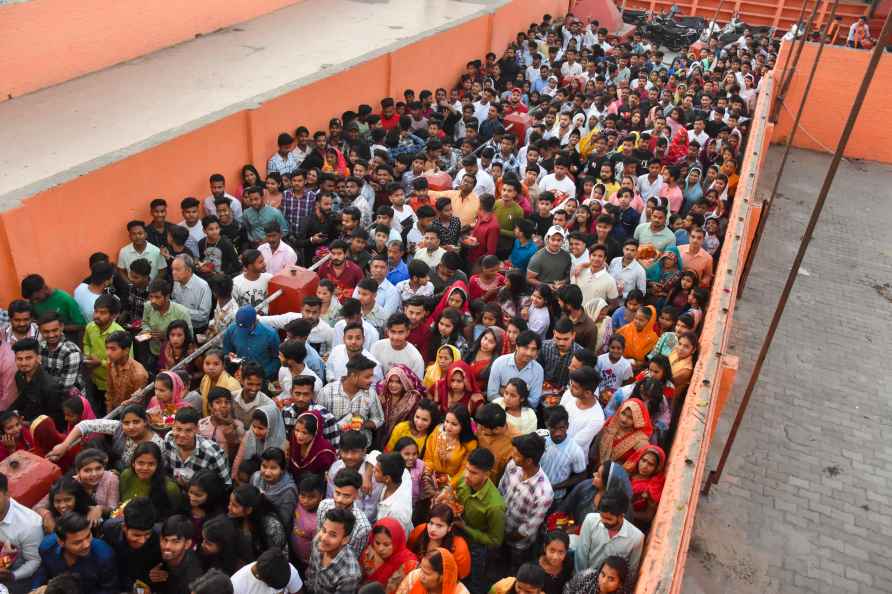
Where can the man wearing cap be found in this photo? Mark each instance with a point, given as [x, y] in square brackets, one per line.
[607, 532]
[248, 339]
[551, 264]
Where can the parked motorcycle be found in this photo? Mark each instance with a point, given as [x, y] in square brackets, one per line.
[676, 33]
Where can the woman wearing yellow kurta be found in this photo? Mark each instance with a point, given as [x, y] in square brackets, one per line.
[215, 375]
[448, 447]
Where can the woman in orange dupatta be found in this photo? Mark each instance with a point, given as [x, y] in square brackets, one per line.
[640, 335]
[437, 574]
[387, 538]
[625, 432]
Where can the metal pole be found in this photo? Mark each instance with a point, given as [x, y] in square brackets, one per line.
[787, 76]
[714, 28]
[790, 53]
[875, 56]
[766, 208]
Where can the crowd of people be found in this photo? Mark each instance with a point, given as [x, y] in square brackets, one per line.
[479, 397]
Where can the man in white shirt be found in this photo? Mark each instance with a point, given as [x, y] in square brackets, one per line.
[396, 347]
[21, 528]
[571, 67]
[271, 574]
[354, 336]
[650, 183]
[387, 297]
[191, 291]
[139, 247]
[396, 497]
[191, 208]
[218, 190]
[249, 288]
[351, 310]
[698, 133]
[626, 270]
[559, 183]
[594, 280]
[583, 408]
[485, 183]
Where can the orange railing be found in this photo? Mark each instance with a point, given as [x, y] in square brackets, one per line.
[663, 566]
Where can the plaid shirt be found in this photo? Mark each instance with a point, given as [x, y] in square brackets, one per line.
[207, 455]
[526, 503]
[64, 364]
[556, 366]
[296, 209]
[281, 164]
[342, 575]
[330, 429]
[359, 538]
[364, 404]
[509, 163]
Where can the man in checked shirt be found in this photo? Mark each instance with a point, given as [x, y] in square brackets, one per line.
[528, 495]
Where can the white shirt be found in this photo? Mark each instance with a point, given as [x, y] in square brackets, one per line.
[285, 377]
[248, 292]
[277, 261]
[244, 582]
[85, 299]
[336, 366]
[399, 505]
[234, 204]
[701, 138]
[584, 424]
[408, 356]
[128, 254]
[387, 298]
[23, 528]
[369, 331]
[485, 183]
[596, 285]
[481, 111]
[632, 276]
[196, 232]
[649, 189]
[613, 375]
[560, 187]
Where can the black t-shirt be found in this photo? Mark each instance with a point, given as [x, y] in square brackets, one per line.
[133, 564]
[543, 224]
[179, 577]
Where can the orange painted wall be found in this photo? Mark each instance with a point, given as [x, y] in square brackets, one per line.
[104, 200]
[830, 99]
[95, 34]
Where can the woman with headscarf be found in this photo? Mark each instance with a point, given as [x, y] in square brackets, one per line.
[663, 274]
[170, 391]
[646, 468]
[640, 335]
[445, 356]
[626, 431]
[267, 429]
[678, 150]
[309, 451]
[692, 190]
[457, 386]
[386, 559]
[437, 574]
[399, 393]
[457, 296]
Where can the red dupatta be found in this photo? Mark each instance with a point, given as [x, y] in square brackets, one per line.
[652, 485]
[617, 443]
[440, 392]
[401, 553]
[444, 300]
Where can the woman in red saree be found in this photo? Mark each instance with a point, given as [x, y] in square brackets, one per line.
[678, 150]
[457, 386]
[387, 538]
[486, 349]
[309, 451]
[625, 432]
[646, 468]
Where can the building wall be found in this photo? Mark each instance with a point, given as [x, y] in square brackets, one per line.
[830, 99]
[95, 34]
[54, 232]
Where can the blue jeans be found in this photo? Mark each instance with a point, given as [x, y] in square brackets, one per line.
[478, 580]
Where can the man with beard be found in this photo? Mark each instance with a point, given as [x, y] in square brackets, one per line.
[317, 229]
[218, 190]
[344, 273]
[302, 399]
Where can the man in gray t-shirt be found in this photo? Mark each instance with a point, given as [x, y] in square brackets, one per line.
[551, 264]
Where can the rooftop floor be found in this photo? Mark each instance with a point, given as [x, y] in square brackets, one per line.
[804, 503]
[58, 133]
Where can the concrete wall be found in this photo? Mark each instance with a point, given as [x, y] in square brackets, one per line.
[42, 236]
[662, 568]
[46, 42]
[832, 93]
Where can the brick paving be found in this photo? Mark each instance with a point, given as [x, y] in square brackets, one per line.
[804, 503]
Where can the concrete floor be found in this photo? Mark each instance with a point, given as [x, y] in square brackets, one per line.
[804, 503]
[55, 134]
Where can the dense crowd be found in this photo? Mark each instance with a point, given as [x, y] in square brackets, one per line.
[479, 397]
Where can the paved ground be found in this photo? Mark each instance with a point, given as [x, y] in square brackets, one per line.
[804, 503]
